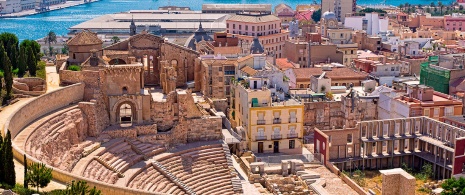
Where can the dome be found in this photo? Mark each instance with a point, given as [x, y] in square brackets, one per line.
[328, 15]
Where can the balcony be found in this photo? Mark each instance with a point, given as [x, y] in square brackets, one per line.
[276, 136]
[277, 121]
[292, 120]
[260, 137]
[292, 135]
[261, 122]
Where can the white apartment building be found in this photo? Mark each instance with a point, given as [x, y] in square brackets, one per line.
[372, 23]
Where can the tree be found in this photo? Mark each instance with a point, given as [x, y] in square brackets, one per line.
[51, 51]
[401, 7]
[31, 62]
[22, 65]
[65, 49]
[38, 175]
[78, 188]
[2, 175]
[432, 4]
[10, 44]
[115, 39]
[25, 171]
[461, 7]
[454, 186]
[7, 72]
[8, 164]
[34, 45]
[316, 16]
[441, 6]
[51, 37]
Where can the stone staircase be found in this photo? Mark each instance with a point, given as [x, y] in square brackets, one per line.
[108, 166]
[236, 182]
[159, 167]
[136, 149]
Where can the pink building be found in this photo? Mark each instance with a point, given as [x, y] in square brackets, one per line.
[266, 27]
[455, 22]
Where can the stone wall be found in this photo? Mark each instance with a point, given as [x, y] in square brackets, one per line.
[89, 78]
[29, 86]
[42, 105]
[323, 115]
[397, 182]
[185, 60]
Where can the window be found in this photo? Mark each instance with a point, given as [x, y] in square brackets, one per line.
[449, 111]
[234, 26]
[385, 130]
[349, 138]
[220, 79]
[436, 112]
[406, 143]
[291, 144]
[426, 112]
[220, 69]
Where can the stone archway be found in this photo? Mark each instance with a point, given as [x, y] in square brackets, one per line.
[126, 111]
[116, 61]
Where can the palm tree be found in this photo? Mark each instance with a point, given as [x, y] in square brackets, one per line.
[115, 39]
[441, 6]
[401, 6]
[432, 4]
[51, 37]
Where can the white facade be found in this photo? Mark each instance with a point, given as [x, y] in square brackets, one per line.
[10, 6]
[372, 23]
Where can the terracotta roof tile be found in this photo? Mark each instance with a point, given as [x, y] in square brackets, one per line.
[284, 64]
[249, 71]
[244, 58]
[334, 73]
[85, 37]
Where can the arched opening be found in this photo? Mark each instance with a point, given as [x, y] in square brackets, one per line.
[125, 114]
[125, 90]
[302, 86]
[174, 64]
[116, 61]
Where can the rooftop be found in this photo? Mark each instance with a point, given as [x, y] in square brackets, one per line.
[334, 73]
[254, 18]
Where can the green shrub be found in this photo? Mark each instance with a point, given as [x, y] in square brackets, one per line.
[74, 68]
[40, 72]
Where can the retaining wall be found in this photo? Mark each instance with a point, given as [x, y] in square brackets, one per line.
[41, 106]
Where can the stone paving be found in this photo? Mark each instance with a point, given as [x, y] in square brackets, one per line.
[53, 78]
[334, 185]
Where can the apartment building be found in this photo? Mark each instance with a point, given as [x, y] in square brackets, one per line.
[439, 72]
[269, 121]
[419, 100]
[217, 73]
[340, 76]
[367, 42]
[389, 143]
[454, 22]
[339, 7]
[266, 27]
[349, 53]
[285, 13]
[372, 23]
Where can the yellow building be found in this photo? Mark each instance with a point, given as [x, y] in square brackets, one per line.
[349, 51]
[271, 122]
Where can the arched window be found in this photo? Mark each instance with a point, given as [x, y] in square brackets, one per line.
[301, 85]
[174, 63]
[125, 114]
[125, 90]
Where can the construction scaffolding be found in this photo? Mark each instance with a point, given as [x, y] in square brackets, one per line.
[434, 77]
